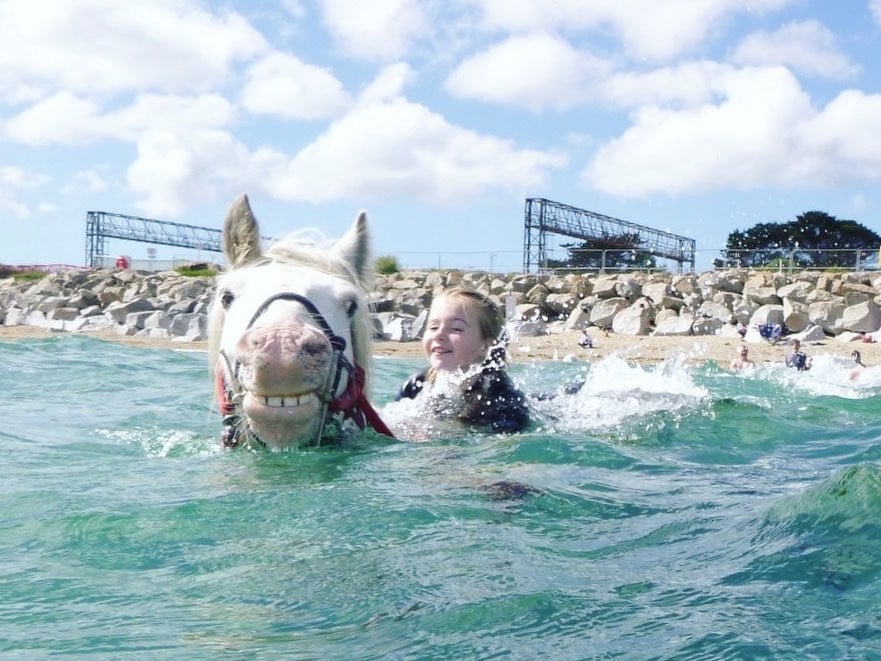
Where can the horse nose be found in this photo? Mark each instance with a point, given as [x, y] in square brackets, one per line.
[283, 342]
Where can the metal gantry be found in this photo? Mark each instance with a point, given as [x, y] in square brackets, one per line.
[101, 225]
[545, 216]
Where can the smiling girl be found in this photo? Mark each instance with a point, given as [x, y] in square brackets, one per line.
[462, 327]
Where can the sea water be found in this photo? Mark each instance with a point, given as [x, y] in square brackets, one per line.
[658, 512]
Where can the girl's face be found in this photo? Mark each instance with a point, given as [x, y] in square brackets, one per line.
[452, 337]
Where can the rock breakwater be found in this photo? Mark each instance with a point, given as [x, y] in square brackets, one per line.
[167, 305]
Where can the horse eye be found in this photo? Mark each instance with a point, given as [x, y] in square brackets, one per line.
[352, 308]
[226, 299]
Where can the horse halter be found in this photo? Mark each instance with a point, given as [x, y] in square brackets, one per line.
[352, 403]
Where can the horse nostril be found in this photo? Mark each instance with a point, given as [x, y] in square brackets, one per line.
[314, 347]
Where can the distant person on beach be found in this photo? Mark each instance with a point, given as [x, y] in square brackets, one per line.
[585, 341]
[742, 359]
[797, 358]
[856, 358]
[460, 335]
[858, 362]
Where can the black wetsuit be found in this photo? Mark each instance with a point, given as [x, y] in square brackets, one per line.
[491, 400]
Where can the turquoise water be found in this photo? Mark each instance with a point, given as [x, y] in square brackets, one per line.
[669, 512]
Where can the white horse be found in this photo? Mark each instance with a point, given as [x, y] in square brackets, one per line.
[289, 335]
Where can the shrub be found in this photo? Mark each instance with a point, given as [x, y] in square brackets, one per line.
[19, 275]
[387, 265]
[29, 276]
[196, 270]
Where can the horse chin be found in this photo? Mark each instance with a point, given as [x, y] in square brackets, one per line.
[283, 422]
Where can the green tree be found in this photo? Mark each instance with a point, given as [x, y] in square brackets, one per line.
[814, 239]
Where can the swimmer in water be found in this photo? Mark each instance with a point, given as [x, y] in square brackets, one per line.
[797, 358]
[461, 333]
[742, 359]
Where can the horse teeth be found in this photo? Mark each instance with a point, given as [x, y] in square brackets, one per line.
[287, 401]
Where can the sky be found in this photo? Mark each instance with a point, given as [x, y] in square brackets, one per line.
[436, 117]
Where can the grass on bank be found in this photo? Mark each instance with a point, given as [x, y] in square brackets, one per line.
[21, 276]
[196, 270]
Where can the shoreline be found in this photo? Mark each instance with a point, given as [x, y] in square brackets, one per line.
[642, 349]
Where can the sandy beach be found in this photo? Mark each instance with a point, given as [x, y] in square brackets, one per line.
[639, 349]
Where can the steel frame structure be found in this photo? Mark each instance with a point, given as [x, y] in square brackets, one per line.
[101, 225]
[546, 216]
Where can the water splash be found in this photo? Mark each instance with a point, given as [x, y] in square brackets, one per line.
[616, 395]
[829, 376]
[162, 443]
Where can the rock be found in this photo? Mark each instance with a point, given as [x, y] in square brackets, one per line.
[119, 310]
[827, 315]
[577, 319]
[605, 311]
[810, 334]
[633, 320]
[399, 329]
[795, 315]
[532, 328]
[675, 326]
[863, 317]
[767, 314]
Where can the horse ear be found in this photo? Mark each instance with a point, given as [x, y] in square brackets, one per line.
[241, 234]
[354, 248]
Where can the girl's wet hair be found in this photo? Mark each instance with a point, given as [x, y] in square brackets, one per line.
[486, 313]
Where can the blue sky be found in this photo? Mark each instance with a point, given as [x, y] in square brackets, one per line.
[437, 117]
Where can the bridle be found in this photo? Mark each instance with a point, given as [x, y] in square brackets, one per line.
[351, 404]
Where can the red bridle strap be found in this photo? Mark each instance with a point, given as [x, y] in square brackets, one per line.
[223, 400]
[353, 404]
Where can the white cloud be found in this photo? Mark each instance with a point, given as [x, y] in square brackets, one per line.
[404, 149]
[647, 29]
[175, 113]
[100, 47]
[688, 84]
[764, 134]
[13, 181]
[532, 71]
[175, 170]
[93, 180]
[294, 8]
[68, 120]
[19, 178]
[388, 84]
[59, 119]
[875, 6]
[845, 138]
[283, 86]
[805, 46]
[376, 31]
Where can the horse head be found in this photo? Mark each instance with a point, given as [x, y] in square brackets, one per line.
[289, 338]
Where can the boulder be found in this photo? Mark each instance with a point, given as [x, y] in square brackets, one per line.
[633, 320]
[863, 317]
[674, 325]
